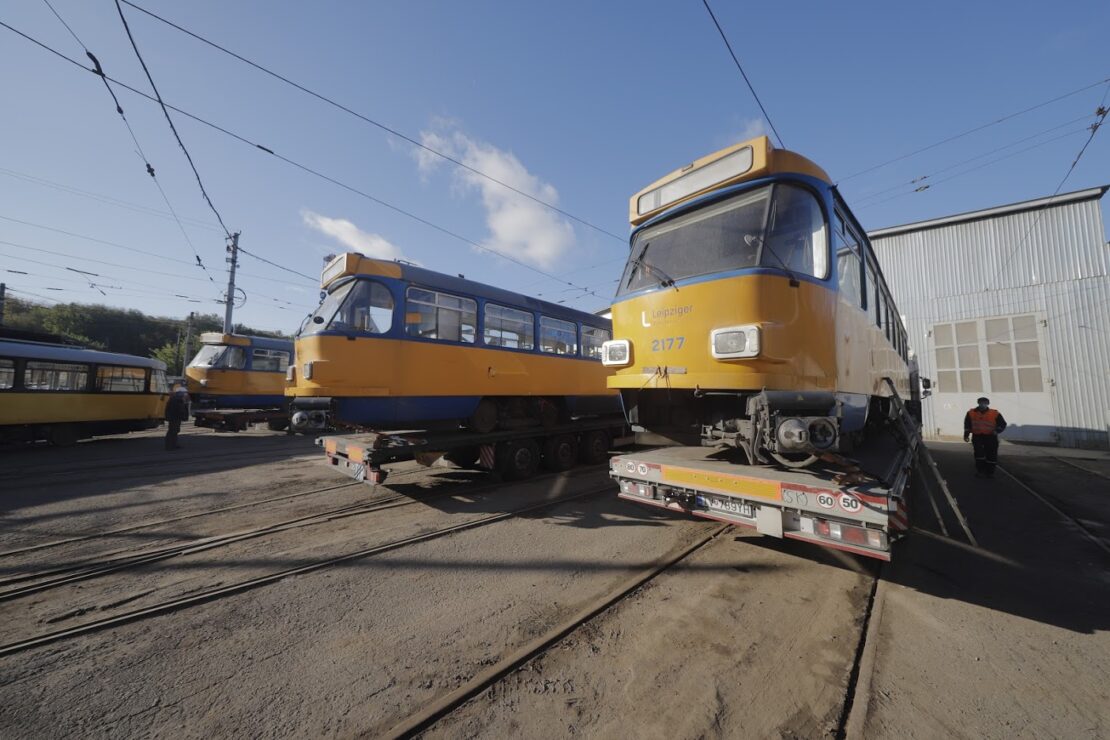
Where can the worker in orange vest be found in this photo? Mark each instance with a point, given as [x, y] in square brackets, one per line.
[983, 425]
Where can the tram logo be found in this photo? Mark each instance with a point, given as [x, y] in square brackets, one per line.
[663, 315]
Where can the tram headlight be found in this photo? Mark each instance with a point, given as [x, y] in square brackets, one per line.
[616, 352]
[734, 342]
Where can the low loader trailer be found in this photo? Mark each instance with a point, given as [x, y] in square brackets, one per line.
[835, 504]
[515, 454]
[859, 505]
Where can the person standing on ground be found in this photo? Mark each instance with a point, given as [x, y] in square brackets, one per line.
[177, 411]
[983, 425]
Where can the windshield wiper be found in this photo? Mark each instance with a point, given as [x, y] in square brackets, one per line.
[665, 280]
[752, 239]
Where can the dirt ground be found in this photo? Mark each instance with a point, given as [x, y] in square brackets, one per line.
[749, 636]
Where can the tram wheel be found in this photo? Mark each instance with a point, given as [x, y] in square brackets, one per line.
[484, 418]
[560, 453]
[802, 462]
[518, 459]
[595, 448]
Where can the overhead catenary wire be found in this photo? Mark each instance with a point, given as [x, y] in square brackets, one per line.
[169, 120]
[117, 265]
[742, 72]
[102, 198]
[973, 130]
[366, 119]
[99, 71]
[928, 180]
[1100, 112]
[142, 251]
[971, 169]
[302, 167]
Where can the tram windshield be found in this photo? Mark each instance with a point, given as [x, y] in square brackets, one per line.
[777, 226]
[363, 306]
[220, 355]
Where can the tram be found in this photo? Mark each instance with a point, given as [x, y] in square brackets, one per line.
[396, 346]
[63, 394]
[752, 313]
[235, 371]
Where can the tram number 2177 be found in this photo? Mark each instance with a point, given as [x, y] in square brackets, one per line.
[665, 343]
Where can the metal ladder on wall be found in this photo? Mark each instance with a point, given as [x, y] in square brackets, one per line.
[908, 426]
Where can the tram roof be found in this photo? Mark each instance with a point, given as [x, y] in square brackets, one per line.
[748, 160]
[63, 353]
[245, 340]
[354, 263]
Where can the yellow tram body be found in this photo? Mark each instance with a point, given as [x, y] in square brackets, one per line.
[237, 371]
[396, 345]
[752, 311]
[62, 394]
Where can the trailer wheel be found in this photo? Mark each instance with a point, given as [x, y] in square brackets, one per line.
[518, 459]
[278, 425]
[560, 453]
[595, 447]
[467, 457]
[64, 435]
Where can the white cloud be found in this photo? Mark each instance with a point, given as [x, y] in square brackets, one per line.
[352, 237]
[748, 129]
[519, 227]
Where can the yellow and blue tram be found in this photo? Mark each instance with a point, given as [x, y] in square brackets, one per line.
[394, 346]
[752, 312]
[235, 371]
[62, 394]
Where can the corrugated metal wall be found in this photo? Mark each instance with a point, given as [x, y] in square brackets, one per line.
[986, 268]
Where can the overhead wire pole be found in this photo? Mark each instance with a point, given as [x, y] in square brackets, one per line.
[232, 262]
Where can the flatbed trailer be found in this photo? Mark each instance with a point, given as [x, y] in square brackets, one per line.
[237, 420]
[859, 506]
[515, 454]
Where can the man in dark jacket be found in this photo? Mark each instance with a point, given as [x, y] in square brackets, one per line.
[983, 425]
[177, 411]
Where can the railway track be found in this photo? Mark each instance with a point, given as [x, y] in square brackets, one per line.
[218, 592]
[144, 463]
[1047, 501]
[44, 580]
[431, 713]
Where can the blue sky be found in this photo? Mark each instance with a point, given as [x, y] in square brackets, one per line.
[578, 103]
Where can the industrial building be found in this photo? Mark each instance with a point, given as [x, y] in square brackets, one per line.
[1012, 303]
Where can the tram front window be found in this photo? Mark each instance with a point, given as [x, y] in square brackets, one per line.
[776, 226]
[367, 309]
[220, 356]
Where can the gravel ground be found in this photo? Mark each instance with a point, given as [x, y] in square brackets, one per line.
[747, 637]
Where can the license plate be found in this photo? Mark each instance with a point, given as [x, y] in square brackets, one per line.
[727, 506]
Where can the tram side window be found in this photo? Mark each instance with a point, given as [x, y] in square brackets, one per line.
[55, 376]
[434, 315]
[592, 339]
[508, 327]
[269, 360]
[111, 379]
[158, 382]
[7, 374]
[849, 267]
[558, 337]
[367, 308]
[874, 310]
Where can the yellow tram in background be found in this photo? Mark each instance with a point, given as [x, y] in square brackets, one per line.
[396, 346]
[235, 371]
[62, 394]
[752, 312]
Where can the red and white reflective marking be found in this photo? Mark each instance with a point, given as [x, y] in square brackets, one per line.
[486, 456]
